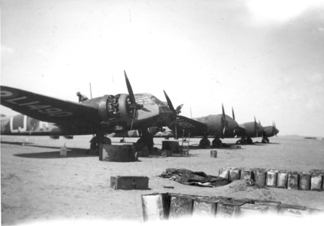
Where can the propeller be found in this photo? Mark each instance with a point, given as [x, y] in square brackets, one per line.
[256, 129]
[224, 121]
[233, 114]
[175, 112]
[274, 129]
[134, 106]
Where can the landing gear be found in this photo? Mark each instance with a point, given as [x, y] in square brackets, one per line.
[95, 143]
[204, 142]
[245, 140]
[249, 140]
[146, 140]
[242, 140]
[264, 138]
[217, 143]
[94, 146]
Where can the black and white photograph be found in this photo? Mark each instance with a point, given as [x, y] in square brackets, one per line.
[162, 112]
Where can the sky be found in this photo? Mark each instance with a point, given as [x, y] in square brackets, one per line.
[263, 58]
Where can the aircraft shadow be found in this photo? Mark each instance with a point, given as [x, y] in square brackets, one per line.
[71, 153]
[16, 143]
[226, 146]
[29, 144]
[263, 144]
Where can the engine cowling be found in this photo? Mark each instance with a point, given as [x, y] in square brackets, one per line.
[115, 111]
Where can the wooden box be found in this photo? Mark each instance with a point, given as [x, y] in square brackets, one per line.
[316, 182]
[234, 174]
[117, 153]
[155, 206]
[170, 146]
[293, 179]
[203, 208]
[129, 182]
[180, 206]
[282, 178]
[271, 180]
[304, 181]
[224, 173]
[260, 177]
[246, 174]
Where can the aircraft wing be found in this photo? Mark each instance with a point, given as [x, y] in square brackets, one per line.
[189, 125]
[48, 109]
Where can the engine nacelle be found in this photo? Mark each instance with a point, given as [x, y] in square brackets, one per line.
[115, 111]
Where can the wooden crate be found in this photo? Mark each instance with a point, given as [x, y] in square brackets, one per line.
[117, 153]
[180, 206]
[304, 181]
[271, 180]
[170, 146]
[129, 182]
[293, 180]
[316, 182]
[282, 179]
[204, 208]
[155, 206]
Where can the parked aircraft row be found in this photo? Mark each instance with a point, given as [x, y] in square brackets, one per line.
[132, 114]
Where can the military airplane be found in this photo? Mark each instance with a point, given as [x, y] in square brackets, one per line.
[218, 126]
[249, 130]
[44, 115]
[254, 129]
[271, 131]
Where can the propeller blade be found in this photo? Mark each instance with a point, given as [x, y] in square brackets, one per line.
[175, 113]
[255, 127]
[223, 111]
[178, 109]
[130, 90]
[224, 122]
[169, 102]
[233, 114]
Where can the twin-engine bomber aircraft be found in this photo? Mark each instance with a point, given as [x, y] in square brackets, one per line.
[100, 116]
[218, 126]
[254, 129]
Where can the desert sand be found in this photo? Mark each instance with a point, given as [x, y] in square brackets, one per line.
[40, 186]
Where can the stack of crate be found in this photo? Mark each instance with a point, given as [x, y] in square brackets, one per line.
[312, 180]
[164, 206]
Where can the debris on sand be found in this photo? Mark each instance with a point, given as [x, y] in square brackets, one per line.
[188, 177]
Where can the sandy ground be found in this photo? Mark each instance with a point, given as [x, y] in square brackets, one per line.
[37, 185]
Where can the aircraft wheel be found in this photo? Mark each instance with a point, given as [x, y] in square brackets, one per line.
[94, 147]
[204, 143]
[140, 141]
[217, 143]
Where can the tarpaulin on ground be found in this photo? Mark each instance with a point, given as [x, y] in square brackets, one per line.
[188, 177]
